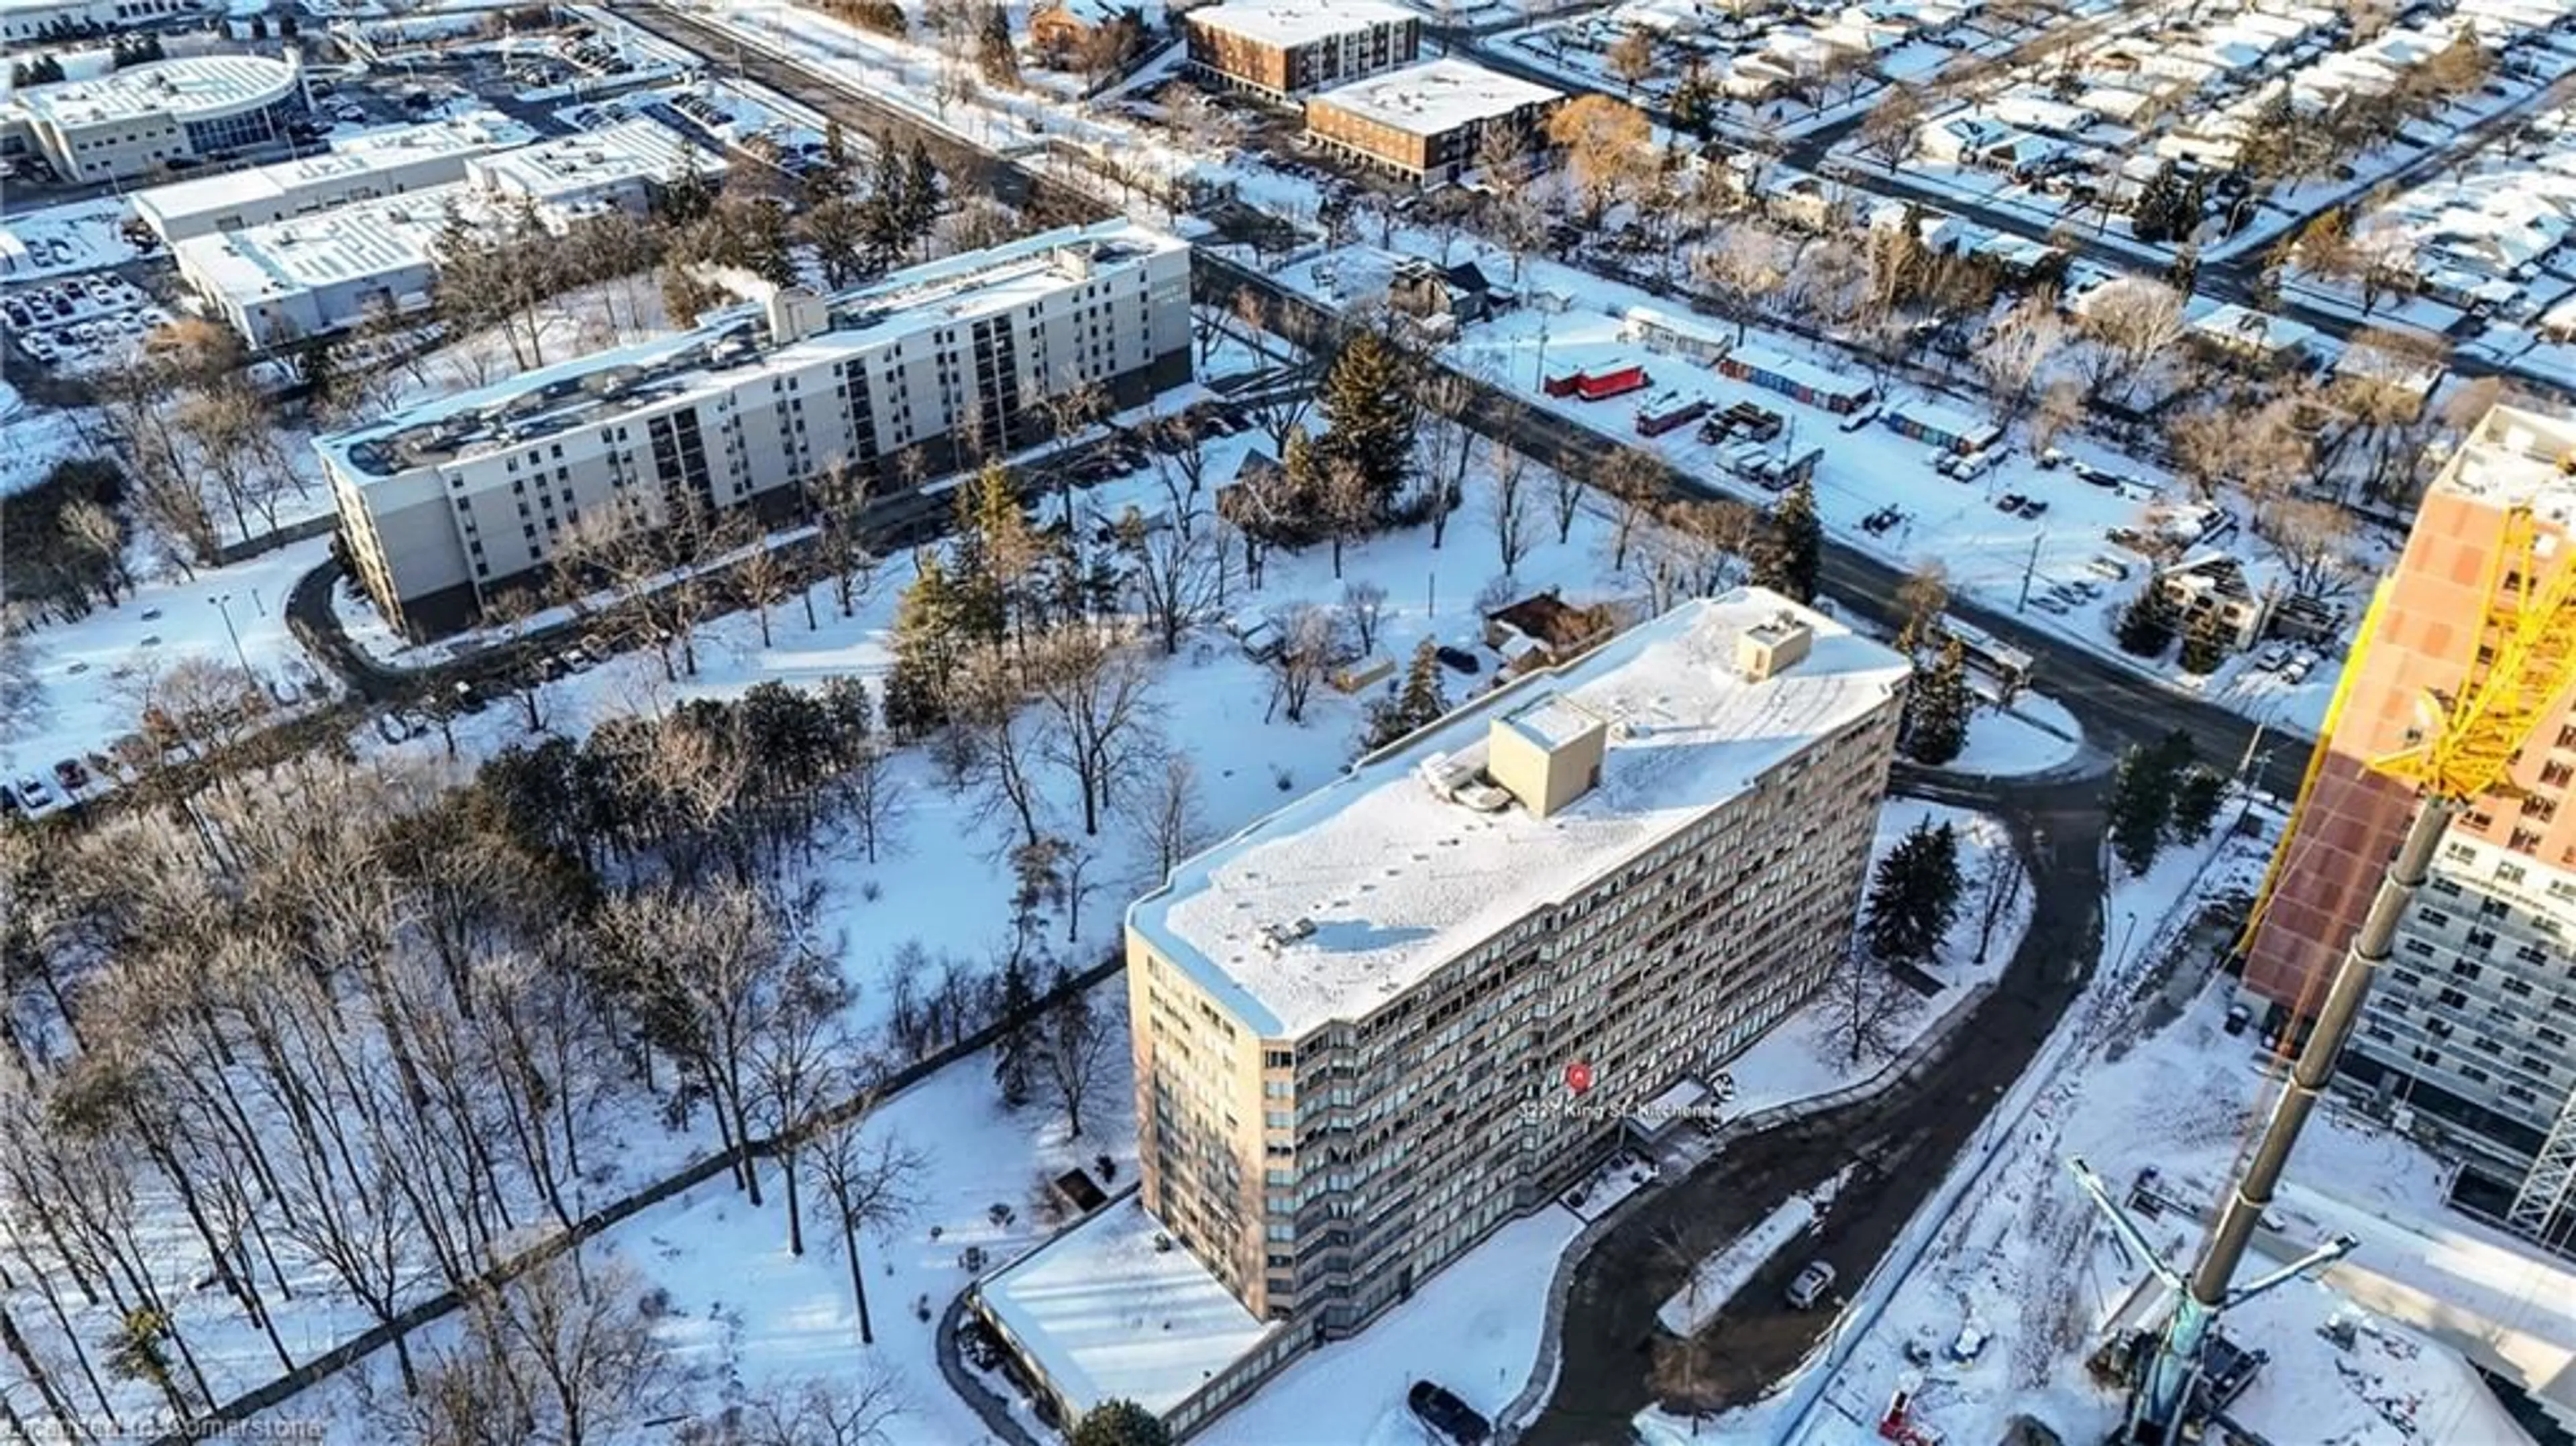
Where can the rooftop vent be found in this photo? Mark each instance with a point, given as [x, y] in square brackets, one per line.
[1280, 936]
[1768, 649]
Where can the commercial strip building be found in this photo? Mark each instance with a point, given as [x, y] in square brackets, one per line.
[1430, 123]
[1353, 1021]
[365, 167]
[41, 20]
[135, 121]
[316, 273]
[446, 503]
[1282, 49]
[2470, 1023]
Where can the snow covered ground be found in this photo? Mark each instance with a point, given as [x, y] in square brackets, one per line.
[92, 674]
[1716, 1280]
[2141, 1074]
[2000, 558]
[1809, 1054]
[33, 439]
[59, 240]
[2033, 735]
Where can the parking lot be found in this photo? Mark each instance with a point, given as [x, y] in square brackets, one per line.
[81, 323]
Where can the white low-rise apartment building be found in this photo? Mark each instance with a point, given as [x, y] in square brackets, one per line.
[1357, 1023]
[445, 504]
[365, 167]
[36, 21]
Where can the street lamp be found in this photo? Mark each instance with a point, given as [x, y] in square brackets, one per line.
[221, 602]
[2121, 961]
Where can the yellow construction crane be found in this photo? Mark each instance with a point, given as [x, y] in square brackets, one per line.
[2463, 751]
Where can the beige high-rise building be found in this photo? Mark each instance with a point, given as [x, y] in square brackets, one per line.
[1353, 1022]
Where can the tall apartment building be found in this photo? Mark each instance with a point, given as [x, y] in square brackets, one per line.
[446, 503]
[1282, 49]
[2469, 1025]
[1352, 1022]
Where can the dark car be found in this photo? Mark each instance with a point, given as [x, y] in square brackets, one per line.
[1457, 659]
[71, 775]
[1444, 1413]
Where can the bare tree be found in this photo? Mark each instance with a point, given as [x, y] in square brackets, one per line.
[1510, 507]
[869, 1180]
[1634, 482]
[1074, 1052]
[565, 1353]
[877, 801]
[1447, 445]
[2314, 541]
[1890, 131]
[1177, 573]
[1168, 814]
[2134, 320]
[1363, 610]
[842, 1409]
[766, 580]
[1003, 741]
[1306, 652]
[2004, 875]
[1870, 1006]
[2015, 350]
[1099, 693]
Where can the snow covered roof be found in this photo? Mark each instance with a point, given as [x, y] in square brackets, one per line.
[2517, 456]
[1397, 878]
[574, 166]
[1291, 23]
[2232, 325]
[1107, 1315]
[1434, 97]
[342, 244]
[348, 162]
[190, 88]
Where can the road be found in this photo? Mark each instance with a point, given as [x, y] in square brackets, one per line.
[1901, 1141]
[2117, 704]
[2234, 278]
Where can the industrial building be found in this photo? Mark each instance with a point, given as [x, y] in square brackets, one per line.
[446, 503]
[1282, 49]
[1431, 123]
[366, 167]
[1353, 1022]
[2468, 1028]
[138, 120]
[321, 272]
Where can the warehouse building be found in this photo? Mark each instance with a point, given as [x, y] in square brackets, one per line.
[1431, 123]
[41, 20]
[1282, 49]
[364, 167]
[447, 503]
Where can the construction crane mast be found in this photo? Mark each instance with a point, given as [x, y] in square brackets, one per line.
[2463, 750]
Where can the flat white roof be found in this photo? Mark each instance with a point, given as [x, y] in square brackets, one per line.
[2515, 456]
[1397, 879]
[187, 87]
[344, 243]
[1107, 1316]
[1551, 720]
[1290, 23]
[1435, 97]
[635, 150]
[727, 352]
[367, 153]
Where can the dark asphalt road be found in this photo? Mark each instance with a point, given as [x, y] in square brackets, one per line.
[1901, 1141]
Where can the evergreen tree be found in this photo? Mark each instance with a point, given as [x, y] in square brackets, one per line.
[1419, 703]
[1914, 895]
[995, 54]
[2141, 800]
[1121, 1423]
[2196, 796]
[920, 194]
[2156, 216]
[1015, 1052]
[1368, 399]
[2146, 626]
[2204, 645]
[927, 643]
[1790, 553]
[686, 196]
[1938, 707]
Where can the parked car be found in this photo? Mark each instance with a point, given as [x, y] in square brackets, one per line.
[2271, 658]
[71, 775]
[33, 793]
[1855, 420]
[2032, 507]
[2298, 668]
[1972, 466]
[1452, 1419]
[2009, 502]
[1457, 660]
[1811, 1286]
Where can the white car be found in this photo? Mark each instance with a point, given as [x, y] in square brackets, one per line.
[1972, 466]
[2271, 658]
[2298, 669]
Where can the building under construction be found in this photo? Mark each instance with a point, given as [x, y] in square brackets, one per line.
[2468, 1027]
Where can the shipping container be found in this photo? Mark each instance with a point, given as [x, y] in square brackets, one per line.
[1666, 410]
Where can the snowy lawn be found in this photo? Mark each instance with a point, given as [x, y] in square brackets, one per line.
[92, 673]
[2034, 735]
[1809, 1054]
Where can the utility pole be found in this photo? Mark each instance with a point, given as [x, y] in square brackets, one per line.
[2022, 603]
[222, 603]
